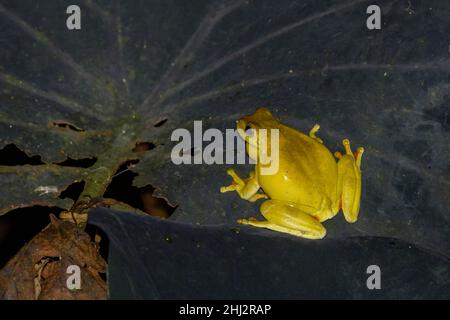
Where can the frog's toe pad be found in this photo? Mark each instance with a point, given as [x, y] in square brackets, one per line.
[231, 172]
[229, 188]
[248, 221]
[242, 221]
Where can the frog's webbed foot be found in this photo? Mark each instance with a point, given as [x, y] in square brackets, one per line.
[246, 188]
[349, 180]
[348, 151]
[312, 133]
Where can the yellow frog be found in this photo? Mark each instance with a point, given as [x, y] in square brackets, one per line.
[309, 186]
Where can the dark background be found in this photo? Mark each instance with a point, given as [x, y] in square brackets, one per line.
[308, 62]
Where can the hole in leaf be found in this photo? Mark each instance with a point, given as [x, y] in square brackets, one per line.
[10, 155]
[19, 226]
[66, 125]
[155, 206]
[121, 188]
[141, 147]
[73, 191]
[160, 122]
[79, 163]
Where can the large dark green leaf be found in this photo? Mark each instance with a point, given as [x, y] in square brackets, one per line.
[310, 63]
[173, 260]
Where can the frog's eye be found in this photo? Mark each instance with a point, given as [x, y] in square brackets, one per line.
[249, 131]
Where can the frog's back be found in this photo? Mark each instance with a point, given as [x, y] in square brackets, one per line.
[307, 170]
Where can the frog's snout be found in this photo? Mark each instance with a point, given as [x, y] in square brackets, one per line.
[241, 124]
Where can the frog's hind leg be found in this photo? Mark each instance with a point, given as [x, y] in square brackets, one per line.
[287, 218]
[312, 133]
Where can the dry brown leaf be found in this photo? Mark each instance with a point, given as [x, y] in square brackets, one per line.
[39, 269]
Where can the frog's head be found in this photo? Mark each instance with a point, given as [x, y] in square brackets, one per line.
[261, 118]
[249, 126]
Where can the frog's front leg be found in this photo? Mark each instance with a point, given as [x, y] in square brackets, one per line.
[246, 188]
[288, 218]
[349, 181]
